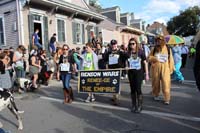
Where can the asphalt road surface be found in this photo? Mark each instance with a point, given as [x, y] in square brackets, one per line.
[45, 113]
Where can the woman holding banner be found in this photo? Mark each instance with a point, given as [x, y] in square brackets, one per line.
[137, 68]
[90, 62]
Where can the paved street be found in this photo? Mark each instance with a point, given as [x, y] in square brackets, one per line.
[45, 113]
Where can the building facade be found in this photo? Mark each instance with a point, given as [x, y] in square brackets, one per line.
[158, 29]
[8, 24]
[71, 20]
[117, 26]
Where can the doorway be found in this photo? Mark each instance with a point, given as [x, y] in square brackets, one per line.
[39, 27]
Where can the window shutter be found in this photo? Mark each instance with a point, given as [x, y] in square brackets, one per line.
[46, 36]
[83, 34]
[1, 32]
[88, 33]
[96, 31]
[74, 32]
[59, 30]
[63, 30]
[31, 29]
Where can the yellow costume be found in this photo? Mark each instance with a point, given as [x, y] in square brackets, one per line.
[161, 70]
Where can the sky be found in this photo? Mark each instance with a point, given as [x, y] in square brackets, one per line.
[151, 10]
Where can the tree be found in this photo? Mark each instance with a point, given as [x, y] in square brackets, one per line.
[95, 4]
[186, 23]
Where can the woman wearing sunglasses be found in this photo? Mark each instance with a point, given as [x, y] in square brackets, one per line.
[137, 68]
[67, 65]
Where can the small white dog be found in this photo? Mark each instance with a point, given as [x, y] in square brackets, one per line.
[7, 101]
[23, 82]
[26, 84]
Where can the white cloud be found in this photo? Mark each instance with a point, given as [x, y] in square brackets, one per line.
[143, 15]
[162, 6]
[162, 10]
[189, 3]
[162, 20]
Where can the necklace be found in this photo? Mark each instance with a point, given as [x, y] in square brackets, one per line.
[134, 55]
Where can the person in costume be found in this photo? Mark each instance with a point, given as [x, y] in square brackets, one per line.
[177, 75]
[162, 66]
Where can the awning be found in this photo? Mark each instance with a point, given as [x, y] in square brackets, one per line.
[69, 7]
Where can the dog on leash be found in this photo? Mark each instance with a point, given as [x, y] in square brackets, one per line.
[7, 101]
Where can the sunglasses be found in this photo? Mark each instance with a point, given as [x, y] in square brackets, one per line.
[65, 49]
[132, 43]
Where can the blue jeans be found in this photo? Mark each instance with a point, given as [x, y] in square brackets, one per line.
[177, 73]
[39, 46]
[78, 63]
[20, 73]
[66, 80]
[52, 47]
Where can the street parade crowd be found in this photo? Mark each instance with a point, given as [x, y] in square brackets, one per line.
[137, 61]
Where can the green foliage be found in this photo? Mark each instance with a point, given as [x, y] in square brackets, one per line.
[186, 23]
[95, 4]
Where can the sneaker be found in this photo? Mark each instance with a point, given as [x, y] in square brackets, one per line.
[157, 98]
[88, 99]
[166, 103]
[20, 112]
[92, 99]
[20, 91]
[180, 81]
[122, 78]
[143, 82]
[126, 76]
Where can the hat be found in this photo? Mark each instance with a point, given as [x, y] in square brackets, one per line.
[160, 37]
[113, 42]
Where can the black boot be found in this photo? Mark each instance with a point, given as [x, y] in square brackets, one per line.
[134, 102]
[139, 105]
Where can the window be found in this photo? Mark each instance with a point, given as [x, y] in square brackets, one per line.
[61, 30]
[37, 17]
[78, 31]
[2, 40]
